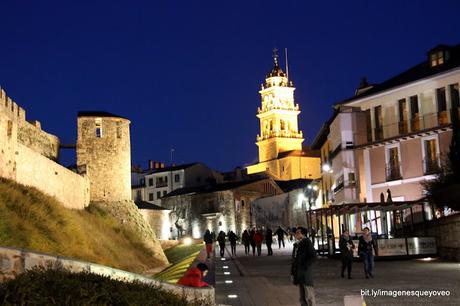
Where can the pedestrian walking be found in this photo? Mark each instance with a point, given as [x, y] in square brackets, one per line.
[366, 247]
[232, 237]
[258, 238]
[208, 242]
[221, 241]
[246, 240]
[252, 233]
[280, 233]
[303, 257]
[269, 241]
[346, 246]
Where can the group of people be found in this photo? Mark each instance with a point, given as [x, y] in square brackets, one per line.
[252, 239]
[303, 254]
[366, 248]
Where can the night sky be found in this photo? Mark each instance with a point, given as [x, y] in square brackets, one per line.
[187, 73]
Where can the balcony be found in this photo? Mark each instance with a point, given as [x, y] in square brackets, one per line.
[443, 118]
[403, 127]
[283, 133]
[378, 133]
[431, 165]
[393, 173]
[160, 184]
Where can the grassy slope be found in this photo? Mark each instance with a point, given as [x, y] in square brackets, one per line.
[32, 220]
[181, 257]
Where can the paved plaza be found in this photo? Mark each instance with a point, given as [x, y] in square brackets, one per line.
[265, 280]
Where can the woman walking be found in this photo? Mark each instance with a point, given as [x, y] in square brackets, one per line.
[346, 252]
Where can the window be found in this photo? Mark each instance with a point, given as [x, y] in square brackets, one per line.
[414, 114]
[139, 195]
[150, 181]
[119, 132]
[437, 58]
[431, 157]
[283, 125]
[164, 192]
[393, 172]
[402, 107]
[158, 194]
[151, 196]
[441, 95]
[351, 179]
[176, 178]
[142, 181]
[378, 122]
[98, 123]
[271, 125]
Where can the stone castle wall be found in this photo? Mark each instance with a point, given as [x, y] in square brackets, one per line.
[27, 156]
[32, 136]
[34, 169]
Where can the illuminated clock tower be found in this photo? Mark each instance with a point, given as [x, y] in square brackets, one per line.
[281, 154]
[279, 131]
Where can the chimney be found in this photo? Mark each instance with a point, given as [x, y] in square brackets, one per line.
[162, 165]
[150, 164]
[157, 165]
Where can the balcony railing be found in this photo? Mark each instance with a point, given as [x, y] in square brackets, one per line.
[284, 134]
[431, 165]
[159, 184]
[403, 127]
[393, 173]
[419, 123]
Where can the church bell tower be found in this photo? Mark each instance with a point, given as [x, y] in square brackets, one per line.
[279, 131]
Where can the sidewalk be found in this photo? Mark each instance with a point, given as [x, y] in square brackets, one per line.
[265, 280]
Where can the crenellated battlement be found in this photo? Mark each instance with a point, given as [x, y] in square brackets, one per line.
[11, 108]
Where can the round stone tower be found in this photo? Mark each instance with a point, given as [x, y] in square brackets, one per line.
[103, 147]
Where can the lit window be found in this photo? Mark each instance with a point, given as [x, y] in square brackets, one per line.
[437, 58]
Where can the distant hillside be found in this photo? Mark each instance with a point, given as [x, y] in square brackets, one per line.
[32, 220]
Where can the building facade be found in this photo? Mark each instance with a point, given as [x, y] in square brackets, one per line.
[153, 184]
[281, 154]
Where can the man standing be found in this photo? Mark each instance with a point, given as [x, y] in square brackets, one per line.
[303, 256]
[280, 233]
[268, 241]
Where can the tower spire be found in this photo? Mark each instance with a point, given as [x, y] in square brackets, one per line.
[275, 56]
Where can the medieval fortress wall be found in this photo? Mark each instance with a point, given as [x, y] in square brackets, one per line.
[28, 155]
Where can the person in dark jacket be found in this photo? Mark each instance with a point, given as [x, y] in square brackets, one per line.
[258, 238]
[303, 256]
[269, 241]
[232, 237]
[221, 241]
[194, 276]
[246, 240]
[280, 233]
[252, 233]
[346, 252]
[208, 242]
[365, 247]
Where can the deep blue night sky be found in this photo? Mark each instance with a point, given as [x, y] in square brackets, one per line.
[187, 73]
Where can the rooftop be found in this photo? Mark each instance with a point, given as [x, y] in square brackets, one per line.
[417, 72]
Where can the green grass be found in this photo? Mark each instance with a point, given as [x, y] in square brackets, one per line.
[181, 257]
[32, 220]
[60, 287]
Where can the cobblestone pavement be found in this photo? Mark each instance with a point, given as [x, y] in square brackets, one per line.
[265, 281]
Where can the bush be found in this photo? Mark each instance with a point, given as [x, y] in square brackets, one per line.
[60, 287]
